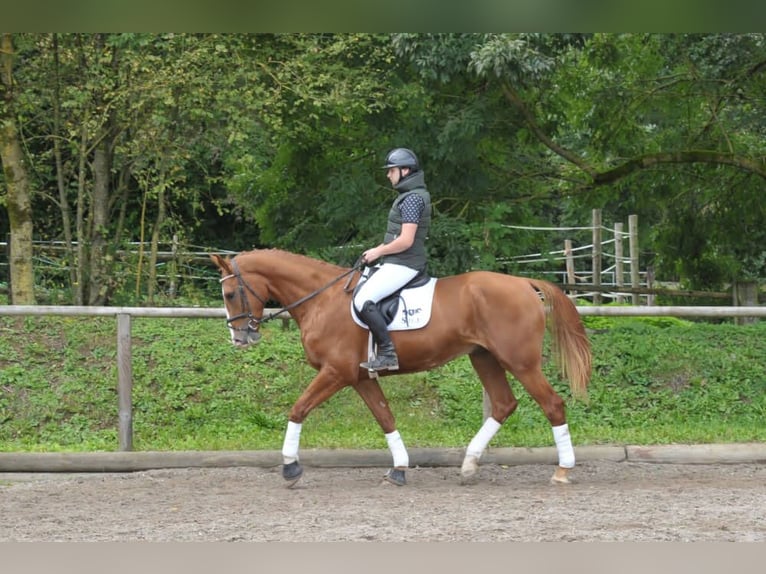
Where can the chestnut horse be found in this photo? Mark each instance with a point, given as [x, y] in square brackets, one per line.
[498, 320]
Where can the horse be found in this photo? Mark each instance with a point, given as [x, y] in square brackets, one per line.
[498, 320]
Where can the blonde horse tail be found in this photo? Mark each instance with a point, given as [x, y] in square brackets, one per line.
[569, 341]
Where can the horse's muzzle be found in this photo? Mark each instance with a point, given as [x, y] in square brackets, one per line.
[249, 337]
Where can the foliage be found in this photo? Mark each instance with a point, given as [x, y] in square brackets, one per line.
[627, 96]
[249, 140]
[662, 381]
[309, 178]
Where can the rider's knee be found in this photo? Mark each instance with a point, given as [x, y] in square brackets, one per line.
[360, 304]
[367, 306]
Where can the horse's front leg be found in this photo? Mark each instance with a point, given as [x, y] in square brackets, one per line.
[324, 385]
[373, 397]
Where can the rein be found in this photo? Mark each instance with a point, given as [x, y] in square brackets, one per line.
[253, 321]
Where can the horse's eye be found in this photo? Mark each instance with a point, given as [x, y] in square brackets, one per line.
[229, 296]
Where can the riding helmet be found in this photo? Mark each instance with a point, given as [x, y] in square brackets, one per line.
[402, 157]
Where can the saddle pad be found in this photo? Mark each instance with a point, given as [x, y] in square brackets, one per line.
[414, 309]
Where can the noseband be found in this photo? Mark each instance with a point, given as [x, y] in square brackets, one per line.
[253, 322]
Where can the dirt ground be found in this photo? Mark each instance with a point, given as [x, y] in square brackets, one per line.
[608, 501]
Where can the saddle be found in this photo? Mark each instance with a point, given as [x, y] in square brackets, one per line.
[416, 302]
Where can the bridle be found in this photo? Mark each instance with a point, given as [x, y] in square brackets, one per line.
[253, 322]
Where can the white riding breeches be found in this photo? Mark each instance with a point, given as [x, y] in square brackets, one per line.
[388, 278]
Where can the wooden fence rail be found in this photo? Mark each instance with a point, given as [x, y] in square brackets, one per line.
[124, 315]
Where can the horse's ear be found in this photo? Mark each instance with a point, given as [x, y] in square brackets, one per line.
[221, 263]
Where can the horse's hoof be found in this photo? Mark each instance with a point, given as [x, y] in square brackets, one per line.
[292, 473]
[469, 472]
[560, 476]
[468, 480]
[469, 476]
[395, 476]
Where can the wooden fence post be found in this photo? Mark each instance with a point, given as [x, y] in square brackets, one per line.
[570, 264]
[635, 276]
[619, 280]
[124, 381]
[597, 255]
[744, 294]
[8, 259]
[173, 268]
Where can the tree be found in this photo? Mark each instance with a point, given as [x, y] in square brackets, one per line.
[249, 140]
[136, 120]
[18, 200]
[320, 104]
[674, 124]
[663, 125]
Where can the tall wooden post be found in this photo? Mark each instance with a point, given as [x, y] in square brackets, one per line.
[635, 276]
[597, 255]
[619, 280]
[124, 382]
[8, 259]
[173, 268]
[745, 294]
[570, 264]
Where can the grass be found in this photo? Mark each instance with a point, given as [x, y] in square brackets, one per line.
[655, 381]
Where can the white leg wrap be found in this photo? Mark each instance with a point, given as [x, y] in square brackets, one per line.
[481, 440]
[398, 450]
[292, 440]
[564, 446]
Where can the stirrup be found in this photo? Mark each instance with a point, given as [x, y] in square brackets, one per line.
[382, 363]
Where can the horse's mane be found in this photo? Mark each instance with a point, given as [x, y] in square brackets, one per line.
[282, 257]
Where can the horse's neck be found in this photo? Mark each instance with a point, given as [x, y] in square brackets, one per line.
[292, 277]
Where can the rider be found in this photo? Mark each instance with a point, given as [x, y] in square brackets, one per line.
[403, 251]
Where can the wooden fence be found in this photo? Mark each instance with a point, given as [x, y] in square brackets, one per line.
[598, 282]
[176, 263]
[600, 248]
[604, 268]
[124, 317]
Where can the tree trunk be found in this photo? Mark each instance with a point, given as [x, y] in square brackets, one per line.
[100, 284]
[152, 285]
[97, 281]
[64, 206]
[82, 243]
[19, 206]
[18, 199]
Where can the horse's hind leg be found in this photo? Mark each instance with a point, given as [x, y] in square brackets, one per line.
[552, 404]
[496, 384]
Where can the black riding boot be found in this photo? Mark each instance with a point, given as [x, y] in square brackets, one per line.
[386, 359]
